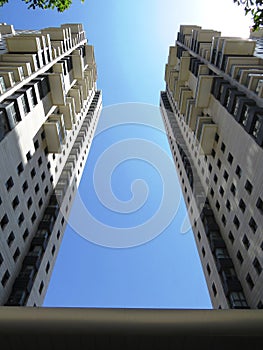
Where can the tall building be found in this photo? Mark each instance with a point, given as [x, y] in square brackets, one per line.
[49, 109]
[213, 113]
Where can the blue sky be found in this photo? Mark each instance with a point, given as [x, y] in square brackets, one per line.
[131, 40]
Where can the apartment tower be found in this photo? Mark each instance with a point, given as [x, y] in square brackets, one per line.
[213, 113]
[49, 109]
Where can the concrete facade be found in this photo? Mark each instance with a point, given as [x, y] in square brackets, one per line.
[213, 113]
[49, 109]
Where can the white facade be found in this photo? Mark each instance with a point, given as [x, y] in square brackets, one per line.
[49, 109]
[213, 113]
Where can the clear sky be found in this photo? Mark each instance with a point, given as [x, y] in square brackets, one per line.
[131, 40]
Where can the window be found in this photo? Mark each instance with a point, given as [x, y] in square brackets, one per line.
[233, 189]
[217, 205]
[240, 257]
[39, 161]
[20, 168]
[36, 188]
[53, 250]
[62, 221]
[5, 278]
[253, 225]
[9, 183]
[58, 234]
[225, 175]
[36, 144]
[28, 156]
[260, 205]
[4, 221]
[212, 192]
[16, 254]
[25, 234]
[20, 220]
[214, 289]
[248, 187]
[216, 137]
[230, 158]
[215, 178]
[40, 203]
[41, 287]
[246, 242]
[33, 217]
[46, 190]
[33, 173]
[43, 135]
[236, 222]
[47, 267]
[199, 236]
[10, 239]
[257, 266]
[48, 165]
[203, 251]
[25, 186]
[51, 178]
[260, 305]
[29, 203]
[1, 259]
[242, 205]
[249, 281]
[223, 147]
[237, 300]
[213, 153]
[238, 171]
[219, 163]
[43, 176]
[231, 237]
[223, 220]
[221, 191]
[210, 168]
[208, 269]
[228, 205]
[15, 202]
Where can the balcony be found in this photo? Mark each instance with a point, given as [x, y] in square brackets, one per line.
[184, 68]
[184, 95]
[40, 239]
[47, 223]
[67, 112]
[78, 65]
[202, 95]
[18, 73]
[55, 133]
[216, 241]
[33, 258]
[75, 92]
[210, 226]
[205, 134]
[57, 88]
[23, 44]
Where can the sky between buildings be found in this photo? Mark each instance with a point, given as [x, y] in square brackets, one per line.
[131, 40]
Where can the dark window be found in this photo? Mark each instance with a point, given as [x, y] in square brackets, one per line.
[223, 147]
[216, 137]
[20, 220]
[48, 165]
[46, 190]
[213, 153]
[208, 269]
[5, 278]
[214, 289]
[40, 203]
[242, 205]
[47, 267]
[199, 236]
[225, 175]
[257, 266]
[10, 239]
[248, 187]
[219, 163]
[260, 305]
[9, 183]
[210, 168]
[43, 176]
[20, 168]
[51, 178]
[33, 173]
[62, 221]
[212, 192]
[203, 251]
[15, 202]
[1, 259]
[53, 250]
[36, 144]
[249, 281]
[233, 189]
[253, 225]
[221, 191]
[238, 171]
[33, 217]
[217, 205]
[36, 188]
[46, 151]
[4, 221]
[215, 178]
[25, 186]
[246, 242]
[236, 222]
[43, 135]
[58, 234]
[228, 205]
[25, 234]
[40, 161]
[224, 220]
[29, 203]
[260, 205]
[16, 254]
[240, 257]
[231, 237]
[41, 287]
[28, 156]
[230, 158]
